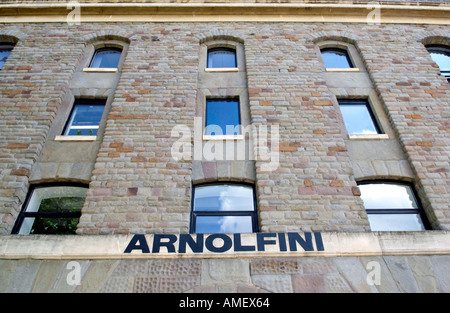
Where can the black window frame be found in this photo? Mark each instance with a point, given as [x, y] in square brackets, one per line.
[419, 210]
[23, 214]
[440, 49]
[216, 49]
[365, 102]
[194, 214]
[83, 101]
[339, 51]
[115, 49]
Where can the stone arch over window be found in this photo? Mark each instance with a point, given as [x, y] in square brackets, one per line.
[96, 43]
[230, 44]
[12, 36]
[344, 48]
[92, 38]
[334, 36]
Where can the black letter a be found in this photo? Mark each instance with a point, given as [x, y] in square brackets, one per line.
[141, 246]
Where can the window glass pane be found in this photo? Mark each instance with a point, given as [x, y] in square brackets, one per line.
[387, 196]
[106, 59]
[223, 224]
[52, 226]
[222, 117]
[442, 59]
[223, 198]
[221, 58]
[85, 120]
[58, 201]
[4, 54]
[395, 222]
[357, 119]
[335, 58]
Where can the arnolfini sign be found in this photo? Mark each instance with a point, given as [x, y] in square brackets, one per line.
[223, 243]
[329, 244]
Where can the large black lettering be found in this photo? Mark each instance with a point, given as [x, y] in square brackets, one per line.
[133, 245]
[238, 244]
[306, 243]
[157, 244]
[282, 241]
[196, 246]
[227, 243]
[261, 241]
[319, 242]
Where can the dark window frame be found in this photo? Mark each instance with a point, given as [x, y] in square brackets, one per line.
[369, 110]
[23, 214]
[227, 99]
[339, 51]
[217, 49]
[82, 101]
[106, 49]
[194, 214]
[419, 210]
[440, 49]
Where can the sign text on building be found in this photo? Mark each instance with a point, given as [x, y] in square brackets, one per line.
[221, 243]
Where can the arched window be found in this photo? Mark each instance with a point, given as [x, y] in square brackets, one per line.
[51, 209]
[5, 51]
[441, 56]
[221, 58]
[392, 206]
[106, 58]
[336, 58]
[223, 208]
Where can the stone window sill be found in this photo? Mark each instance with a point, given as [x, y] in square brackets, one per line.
[368, 137]
[343, 70]
[75, 138]
[223, 137]
[222, 69]
[99, 70]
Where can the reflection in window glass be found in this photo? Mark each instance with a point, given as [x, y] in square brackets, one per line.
[336, 58]
[106, 58]
[51, 210]
[222, 117]
[223, 208]
[441, 56]
[5, 51]
[358, 117]
[223, 224]
[395, 222]
[85, 119]
[221, 58]
[391, 207]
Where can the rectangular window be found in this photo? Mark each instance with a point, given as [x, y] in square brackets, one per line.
[106, 58]
[221, 58]
[223, 208]
[51, 210]
[358, 117]
[392, 207]
[336, 58]
[85, 118]
[222, 117]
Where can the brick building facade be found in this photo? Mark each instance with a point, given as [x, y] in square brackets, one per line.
[155, 99]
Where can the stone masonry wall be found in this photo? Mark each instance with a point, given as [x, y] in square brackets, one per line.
[260, 275]
[137, 187]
